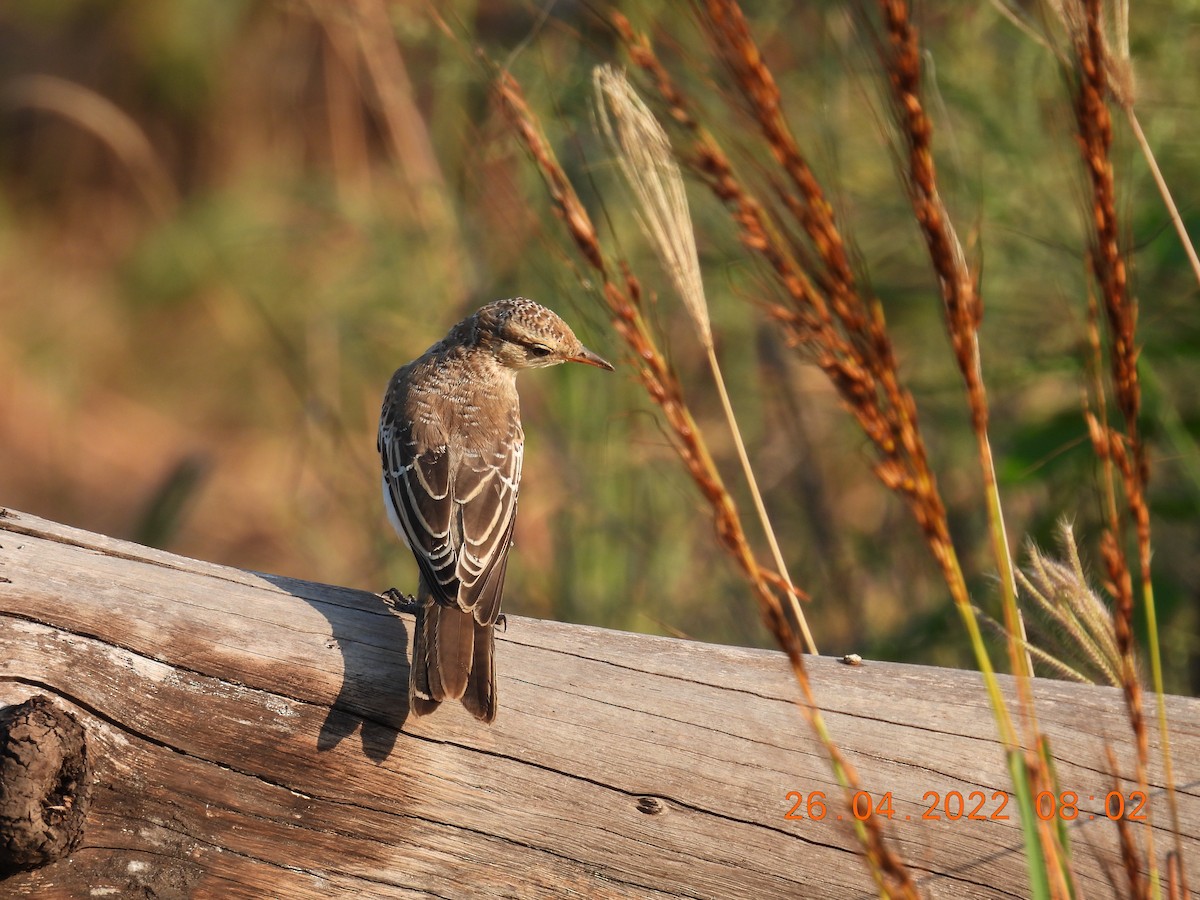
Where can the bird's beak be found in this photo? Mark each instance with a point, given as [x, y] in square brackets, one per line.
[589, 358]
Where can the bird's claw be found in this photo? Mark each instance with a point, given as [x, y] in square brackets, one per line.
[399, 601]
[502, 622]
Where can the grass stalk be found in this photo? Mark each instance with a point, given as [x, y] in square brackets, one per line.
[1189, 248]
[961, 299]
[644, 153]
[1094, 63]
[1123, 94]
[962, 305]
[108, 123]
[756, 494]
[1035, 862]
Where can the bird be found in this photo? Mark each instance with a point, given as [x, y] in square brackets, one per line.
[451, 444]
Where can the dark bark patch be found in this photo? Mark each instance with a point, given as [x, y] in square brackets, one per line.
[44, 784]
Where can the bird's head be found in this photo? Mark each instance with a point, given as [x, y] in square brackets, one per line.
[522, 334]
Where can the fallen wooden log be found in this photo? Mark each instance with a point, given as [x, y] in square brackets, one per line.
[248, 737]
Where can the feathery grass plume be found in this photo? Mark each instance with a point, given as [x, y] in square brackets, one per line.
[1049, 662]
[1072, 612]
[644, 154]
[624, 303]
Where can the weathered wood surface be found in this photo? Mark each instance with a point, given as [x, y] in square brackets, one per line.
[249, 739]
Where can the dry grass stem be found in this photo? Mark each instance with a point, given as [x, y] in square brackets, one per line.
[1131, 860]
[731, 37]
[961, 300]
[1189, 248]
[644, 154]
[111, 125]
[1125, 451]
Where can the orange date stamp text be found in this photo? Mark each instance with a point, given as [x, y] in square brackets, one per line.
[974, 806]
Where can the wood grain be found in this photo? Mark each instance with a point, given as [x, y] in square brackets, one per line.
[249, 739]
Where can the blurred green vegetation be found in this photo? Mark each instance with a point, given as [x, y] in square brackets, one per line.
[223, 226]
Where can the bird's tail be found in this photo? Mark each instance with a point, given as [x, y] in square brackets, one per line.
[452, 660]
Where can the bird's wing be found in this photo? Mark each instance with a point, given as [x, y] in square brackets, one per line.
[485, 497]
[417, 491]
[456, 509]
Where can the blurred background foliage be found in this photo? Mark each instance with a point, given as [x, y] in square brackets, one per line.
[222, 226]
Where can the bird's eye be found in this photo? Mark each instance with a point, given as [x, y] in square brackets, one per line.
[539, 350]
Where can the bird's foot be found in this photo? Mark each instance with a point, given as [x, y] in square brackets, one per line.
[502, 622]
[398, 601]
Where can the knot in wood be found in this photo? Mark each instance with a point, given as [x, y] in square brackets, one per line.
[44, 784]
[651, 806]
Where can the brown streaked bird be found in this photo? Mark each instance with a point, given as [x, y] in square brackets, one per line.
[451, 442]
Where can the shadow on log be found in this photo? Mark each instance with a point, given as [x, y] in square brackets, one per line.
[373, 698]
[249, 738]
